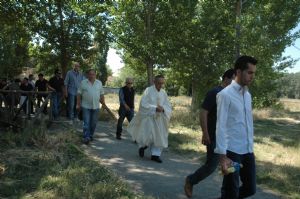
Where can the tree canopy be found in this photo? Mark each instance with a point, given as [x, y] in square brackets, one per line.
[191, 42]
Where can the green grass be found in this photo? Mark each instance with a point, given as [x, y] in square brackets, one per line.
[37, 164]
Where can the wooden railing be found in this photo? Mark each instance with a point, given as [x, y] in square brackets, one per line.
[11, 109]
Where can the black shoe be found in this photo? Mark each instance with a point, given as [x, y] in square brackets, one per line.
[118, 137]
[142, 151]
[86, 141]
[156, 158]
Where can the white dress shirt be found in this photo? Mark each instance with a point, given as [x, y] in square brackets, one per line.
[234, 130]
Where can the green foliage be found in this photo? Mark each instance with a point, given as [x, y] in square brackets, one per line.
[289, 86]
[148, 30]
[14, 39]
[53, 33]
[196, 40]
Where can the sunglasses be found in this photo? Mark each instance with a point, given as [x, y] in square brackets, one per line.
[129, 83]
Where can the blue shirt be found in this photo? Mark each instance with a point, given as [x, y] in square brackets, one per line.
[72, 81]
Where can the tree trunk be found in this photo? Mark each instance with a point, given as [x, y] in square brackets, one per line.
[195, 105]
[149, 65]
[148, 36]
[238, 27]
[63, 41]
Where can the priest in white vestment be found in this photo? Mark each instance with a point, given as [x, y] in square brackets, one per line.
[149, 128]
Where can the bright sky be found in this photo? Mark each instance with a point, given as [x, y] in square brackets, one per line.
[115, 62]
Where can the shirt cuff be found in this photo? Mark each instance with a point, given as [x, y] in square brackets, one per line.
[220, 151]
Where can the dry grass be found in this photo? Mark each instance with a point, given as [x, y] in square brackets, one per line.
[40, 164]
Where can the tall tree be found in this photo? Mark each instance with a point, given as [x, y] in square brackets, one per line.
[147, 29]
[14, 39]
[65, 29]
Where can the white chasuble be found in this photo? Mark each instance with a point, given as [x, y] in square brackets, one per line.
[148, 127]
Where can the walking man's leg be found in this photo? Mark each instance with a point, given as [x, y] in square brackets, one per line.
[230, 186]
[86, 114]
[122, 114]
[248, 177]
[130, 115]
[71, 104]
[93, 122]
[54, 103]
[212, 160]
[155, 154]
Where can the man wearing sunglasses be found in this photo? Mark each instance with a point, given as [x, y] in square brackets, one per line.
[56, 84]
[126, 110]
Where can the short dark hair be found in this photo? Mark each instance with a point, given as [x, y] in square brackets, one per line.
[17, 80]
[89, 70]
[57, 71]
[242, 62]
[158, 77]
[229, 73]
[41, 75]
[25, 78]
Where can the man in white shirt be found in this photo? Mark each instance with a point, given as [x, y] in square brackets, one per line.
[149, 128]
[89, 94]
[234, 132]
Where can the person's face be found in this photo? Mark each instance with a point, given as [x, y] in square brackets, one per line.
[247, 76]
[159, 83]
[129, 83]
[58, 74]
[92, 75]
[229, 80]
[76, 67]
[41, 78]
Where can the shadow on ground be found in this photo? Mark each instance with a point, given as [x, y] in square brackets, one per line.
[164, 180]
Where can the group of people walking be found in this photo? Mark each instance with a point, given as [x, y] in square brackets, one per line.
[225, 118]
[226, 121]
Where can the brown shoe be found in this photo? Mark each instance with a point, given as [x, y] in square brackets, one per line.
[188, 188]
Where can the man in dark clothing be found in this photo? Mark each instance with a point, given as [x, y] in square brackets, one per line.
[24, 102]
[41, 85]
[208, 119]
[56, 84]
[126, 97]
[13, 99]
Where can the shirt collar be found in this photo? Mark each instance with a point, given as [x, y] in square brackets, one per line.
[238, 87]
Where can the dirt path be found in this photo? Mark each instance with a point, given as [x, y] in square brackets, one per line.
[162, 181]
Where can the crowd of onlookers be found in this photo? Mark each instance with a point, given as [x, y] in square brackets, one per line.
[22, 99]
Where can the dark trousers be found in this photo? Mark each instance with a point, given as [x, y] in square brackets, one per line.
[123, 113]
[230, 187]
[212, 160]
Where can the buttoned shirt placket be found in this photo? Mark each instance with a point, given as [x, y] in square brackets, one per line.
[243, 91]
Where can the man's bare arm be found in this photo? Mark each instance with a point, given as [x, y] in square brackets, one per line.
[203, 123]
